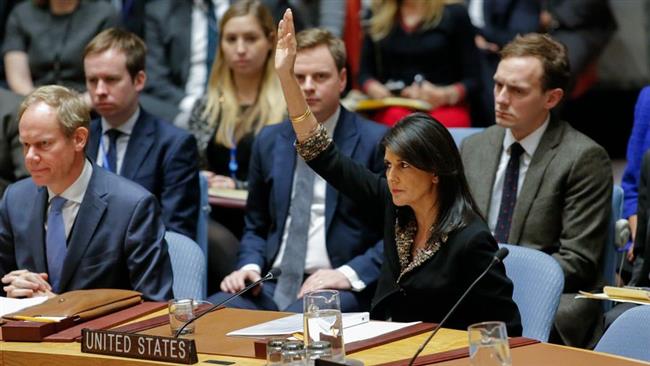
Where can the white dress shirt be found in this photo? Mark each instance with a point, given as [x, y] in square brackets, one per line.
[198, 74]
[121, 143]
[529, 143]
[74, 195]
[316, 257]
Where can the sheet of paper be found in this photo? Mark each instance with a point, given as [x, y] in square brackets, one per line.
[293, 324]
[238, 194]
[10, 305]
[371, 329]
[603, 296]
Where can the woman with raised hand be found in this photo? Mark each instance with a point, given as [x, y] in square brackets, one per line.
[435, 241]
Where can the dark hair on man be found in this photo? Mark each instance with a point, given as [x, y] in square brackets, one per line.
[314, 37]
[551, 53]
[426, 144]
[133, 47]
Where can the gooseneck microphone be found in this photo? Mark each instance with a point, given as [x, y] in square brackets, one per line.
[498, 257]
[273, 273]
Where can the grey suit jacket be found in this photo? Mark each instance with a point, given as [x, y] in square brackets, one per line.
[562, 209]
[565, 200]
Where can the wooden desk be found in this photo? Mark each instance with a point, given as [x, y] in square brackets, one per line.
[42, 354]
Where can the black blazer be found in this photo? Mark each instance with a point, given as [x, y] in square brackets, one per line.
[429, 291]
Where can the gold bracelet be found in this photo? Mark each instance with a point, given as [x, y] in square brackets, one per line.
[302, 117]
[302, 136]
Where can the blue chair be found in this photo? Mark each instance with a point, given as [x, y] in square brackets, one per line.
[611, 253]
[188, 266]
[538, 282]
[459, 133]
[629, 335]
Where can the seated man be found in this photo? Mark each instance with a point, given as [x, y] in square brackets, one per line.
[540, 183]
[294, 220]
[73, 225]
[129, 141]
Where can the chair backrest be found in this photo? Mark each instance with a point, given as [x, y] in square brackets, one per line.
[188, 266]
[538, 282]
[459, 133]
[629, 335]
[610, 254]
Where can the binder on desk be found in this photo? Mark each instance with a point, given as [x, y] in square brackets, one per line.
[63, 311]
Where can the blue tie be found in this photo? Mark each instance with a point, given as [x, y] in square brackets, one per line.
[55, 242]
[293, 259]
[111, 154]
[508, 195]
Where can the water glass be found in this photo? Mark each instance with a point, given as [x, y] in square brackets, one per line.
[274, 352]
[180, 312]
[293, 353]
[322, 319]
[488, 344]
[318, 350]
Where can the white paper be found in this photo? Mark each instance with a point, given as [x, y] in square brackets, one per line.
[10, 305]
[293, 324]
[603, 296]
[371, 329]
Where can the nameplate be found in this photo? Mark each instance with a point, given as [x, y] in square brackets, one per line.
[140, 346]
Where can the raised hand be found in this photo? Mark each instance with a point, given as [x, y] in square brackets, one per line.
[285, 52]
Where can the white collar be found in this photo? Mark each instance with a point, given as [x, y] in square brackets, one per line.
[330, 123]
[126, 128]
[76, 191]
[530, 142]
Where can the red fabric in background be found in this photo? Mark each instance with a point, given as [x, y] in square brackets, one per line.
[450, 116]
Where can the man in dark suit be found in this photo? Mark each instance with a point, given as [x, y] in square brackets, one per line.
[131, 142]
[73, 225]
[540, 183]
[339, 249]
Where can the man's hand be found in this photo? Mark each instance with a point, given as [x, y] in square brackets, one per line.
[236, 281]
[377, 90]
[633, 222]
[325, 279]
[23, 283]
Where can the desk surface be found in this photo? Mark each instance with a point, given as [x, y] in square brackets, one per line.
[41, 354]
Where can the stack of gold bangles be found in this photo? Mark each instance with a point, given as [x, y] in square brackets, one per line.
[302, 117]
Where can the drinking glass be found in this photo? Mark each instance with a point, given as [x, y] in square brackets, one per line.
[488, 344]
[322, 320]
[180, 312]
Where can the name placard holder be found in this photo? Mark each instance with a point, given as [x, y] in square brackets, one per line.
[140, 346]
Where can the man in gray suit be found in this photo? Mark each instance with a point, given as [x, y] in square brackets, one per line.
[539, 182]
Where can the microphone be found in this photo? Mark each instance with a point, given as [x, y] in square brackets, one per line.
[273, 273]
[498, 257]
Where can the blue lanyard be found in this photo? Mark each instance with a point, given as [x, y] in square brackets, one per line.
[104, 153]
[232, 164]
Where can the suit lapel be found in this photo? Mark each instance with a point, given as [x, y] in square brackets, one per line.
[489, 154]
[540, 161]
[90, 213]
[140, 142]
[346, 138]
[93, 142]
[36, 236]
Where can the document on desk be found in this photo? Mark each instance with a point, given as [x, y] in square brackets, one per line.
[293, 324]
[10, 305]
[372, 329]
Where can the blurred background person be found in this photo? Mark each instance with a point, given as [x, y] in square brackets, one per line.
[243, 95]
[44, 41]
[421, 50]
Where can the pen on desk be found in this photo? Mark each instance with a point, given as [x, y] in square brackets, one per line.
[34, 319]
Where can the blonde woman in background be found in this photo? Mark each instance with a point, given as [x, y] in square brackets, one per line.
[243, 95]
[421, 50]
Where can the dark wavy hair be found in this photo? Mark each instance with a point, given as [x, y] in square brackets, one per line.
[426, 144]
